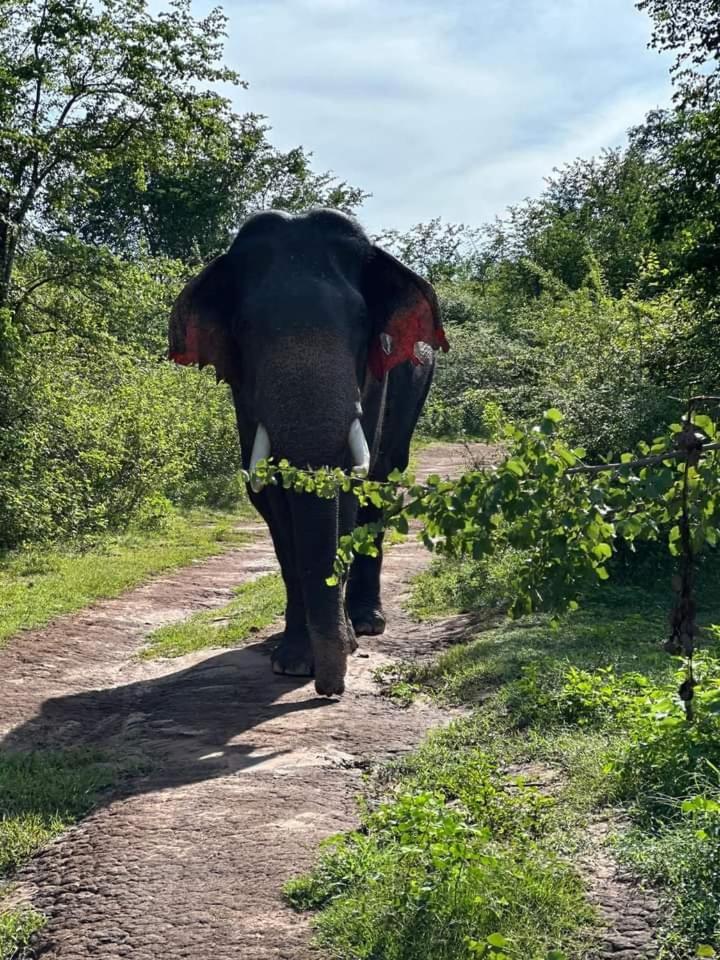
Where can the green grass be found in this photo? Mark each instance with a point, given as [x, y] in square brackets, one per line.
[40, 584]
[16, 929]
[455, 854]
[458, 586]
[256, 605]
[42, 794]
[467, 845]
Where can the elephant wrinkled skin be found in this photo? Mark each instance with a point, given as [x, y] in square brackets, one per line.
[327, 343]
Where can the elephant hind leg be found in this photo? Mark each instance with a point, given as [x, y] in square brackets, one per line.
[363, 598]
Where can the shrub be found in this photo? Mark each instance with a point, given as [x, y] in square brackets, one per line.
[99, 438]
[423, 881]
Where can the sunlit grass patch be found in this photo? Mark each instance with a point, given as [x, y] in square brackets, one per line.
[40, 584]
[255, 606]
[460, 856]
[42, 794]
[16, 929]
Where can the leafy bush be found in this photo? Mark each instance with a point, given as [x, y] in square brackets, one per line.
[485, 376]
[424, 881]
[661, 758]
[100, 438]
[547, 694]
[610, 363]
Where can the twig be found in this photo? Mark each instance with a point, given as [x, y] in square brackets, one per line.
[643, 461]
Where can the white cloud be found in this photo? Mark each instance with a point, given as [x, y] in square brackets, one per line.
[455, 110]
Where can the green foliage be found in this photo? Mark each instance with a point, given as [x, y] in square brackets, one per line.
[566, 519]
[80, 86]
[483, 375]
[256, 605]
[16, 930]
[463, 585]
[596, 697]
[690, 29]
[100, 438]
[424, 879]
[41, 582]
[440, 251]
[607, 361]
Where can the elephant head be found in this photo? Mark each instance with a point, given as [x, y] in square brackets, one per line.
[305, 318]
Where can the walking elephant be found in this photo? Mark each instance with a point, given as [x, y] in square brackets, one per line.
[327, 343]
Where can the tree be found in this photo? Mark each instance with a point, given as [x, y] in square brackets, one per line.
[83, 81]
[437, 250]
[691, 29]
[185, 197]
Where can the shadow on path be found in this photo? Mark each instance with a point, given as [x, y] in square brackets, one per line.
[183, 727]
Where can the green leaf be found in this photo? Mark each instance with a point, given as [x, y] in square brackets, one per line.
[705, 424]
[705, 950]
[498, 940]
[554, 415]
[603, 551]
[515, 467]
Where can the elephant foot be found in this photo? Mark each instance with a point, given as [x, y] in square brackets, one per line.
[368, 621]
[293, 656]
[330, 686]
[351, 644]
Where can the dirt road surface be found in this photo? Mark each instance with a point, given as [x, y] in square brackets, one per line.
[244, 772]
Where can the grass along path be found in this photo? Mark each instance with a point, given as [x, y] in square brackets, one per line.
[42, 794]
[40, 584]
[256, 605]
[489, 840]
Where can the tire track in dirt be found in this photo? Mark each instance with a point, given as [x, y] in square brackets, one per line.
[247, 771]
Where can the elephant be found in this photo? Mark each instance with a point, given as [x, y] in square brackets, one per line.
[328, 344]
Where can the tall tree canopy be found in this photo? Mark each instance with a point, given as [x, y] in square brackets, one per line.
[109, 133]
[690, 29]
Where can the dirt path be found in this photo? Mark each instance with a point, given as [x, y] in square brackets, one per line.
[247, 771]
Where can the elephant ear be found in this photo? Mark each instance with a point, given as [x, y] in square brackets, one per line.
[404, 311]
[199, 331]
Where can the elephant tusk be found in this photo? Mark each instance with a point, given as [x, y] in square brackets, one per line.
[359, 449]
[260, 451]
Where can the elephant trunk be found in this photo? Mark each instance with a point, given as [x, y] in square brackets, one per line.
[316, 529]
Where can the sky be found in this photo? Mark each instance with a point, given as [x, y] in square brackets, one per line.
[444, 108]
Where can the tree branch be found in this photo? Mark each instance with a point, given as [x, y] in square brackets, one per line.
[643, 461]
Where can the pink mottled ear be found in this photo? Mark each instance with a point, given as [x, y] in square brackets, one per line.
[404, 310]
[199, 331]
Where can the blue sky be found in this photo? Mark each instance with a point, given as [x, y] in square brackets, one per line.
[450, 108]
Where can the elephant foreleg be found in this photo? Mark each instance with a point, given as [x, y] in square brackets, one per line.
[293, 654]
